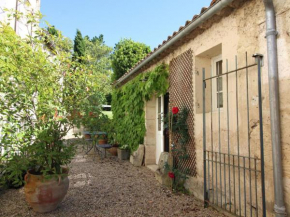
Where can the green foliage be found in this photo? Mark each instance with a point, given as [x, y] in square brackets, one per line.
[109, 99]
[126, 54]
[177, 125]
[55, 41]
[42, 97]
[98, 58]
[128, 105]
[53, 31]
[13, 171]
[99, 38]
[79, 47]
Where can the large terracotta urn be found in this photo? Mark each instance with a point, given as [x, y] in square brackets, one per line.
[44, 195]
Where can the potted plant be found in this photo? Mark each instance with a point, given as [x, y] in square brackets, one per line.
[124, 152]
[46, 181]
[102, 139]
[38, 98]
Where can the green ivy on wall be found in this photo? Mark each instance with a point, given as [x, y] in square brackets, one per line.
[128, 104]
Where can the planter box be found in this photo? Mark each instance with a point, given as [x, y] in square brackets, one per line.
[123, 154]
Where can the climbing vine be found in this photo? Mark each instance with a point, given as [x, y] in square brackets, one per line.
[128, 104]
[176, 122]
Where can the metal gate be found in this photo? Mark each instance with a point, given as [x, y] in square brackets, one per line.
[233, 139]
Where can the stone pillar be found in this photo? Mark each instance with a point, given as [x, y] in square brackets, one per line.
[150, 137]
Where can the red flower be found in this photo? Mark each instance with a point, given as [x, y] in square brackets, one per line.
[175, 110]
[171, 175]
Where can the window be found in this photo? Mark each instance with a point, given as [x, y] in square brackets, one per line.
[219, 84]
[217, 87]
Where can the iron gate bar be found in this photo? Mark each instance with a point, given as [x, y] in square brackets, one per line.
[219, 119]
[235, 155]
[211, 127]
[238, 133]
[256, 188]
[234, 184]
[249, 141]
[233, 165]
[239, 69]
[220, 158]
[245, 192]
[204, 145]
[259, 58]
[228, 131]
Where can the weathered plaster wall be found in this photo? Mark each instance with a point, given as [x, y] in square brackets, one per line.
[22, 28]
[243, 31]
[150, 137]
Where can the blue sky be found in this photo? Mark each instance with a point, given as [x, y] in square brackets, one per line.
[147, 21]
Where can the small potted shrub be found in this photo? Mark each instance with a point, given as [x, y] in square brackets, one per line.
[109, 128]
[124, 152]
[101, 139]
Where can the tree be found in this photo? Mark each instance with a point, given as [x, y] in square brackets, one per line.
[98, 58]
[100, 38]
[79, 47]
[126, 54]
[53, 31]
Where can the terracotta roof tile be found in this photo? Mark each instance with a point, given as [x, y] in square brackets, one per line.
[180, 28]
[203, 10]
[187, 22]
[213, 2]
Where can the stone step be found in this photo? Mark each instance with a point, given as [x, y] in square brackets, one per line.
[153, 167]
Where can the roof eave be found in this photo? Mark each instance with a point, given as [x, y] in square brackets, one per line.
[204, 16]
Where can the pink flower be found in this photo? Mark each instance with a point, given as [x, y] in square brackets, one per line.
[175, 110]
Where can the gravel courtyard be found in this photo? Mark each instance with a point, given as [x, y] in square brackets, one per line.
[110, 187]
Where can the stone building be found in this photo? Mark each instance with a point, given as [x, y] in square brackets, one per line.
[21, 27]
[243, 118]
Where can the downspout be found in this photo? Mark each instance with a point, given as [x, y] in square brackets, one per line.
[271, 35]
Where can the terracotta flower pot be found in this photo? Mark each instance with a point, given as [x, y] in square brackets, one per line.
[113, 151]
[87, 136]
[102, 141]
[44, 195]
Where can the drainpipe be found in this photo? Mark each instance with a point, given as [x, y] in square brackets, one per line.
[271, 35]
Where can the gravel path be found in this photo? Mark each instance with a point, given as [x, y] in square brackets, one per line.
[110, 187]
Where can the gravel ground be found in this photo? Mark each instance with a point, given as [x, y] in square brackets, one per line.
[109, 187]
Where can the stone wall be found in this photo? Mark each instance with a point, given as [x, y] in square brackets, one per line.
[241, 31]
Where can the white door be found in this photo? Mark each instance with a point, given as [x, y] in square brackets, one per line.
[159, 127]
